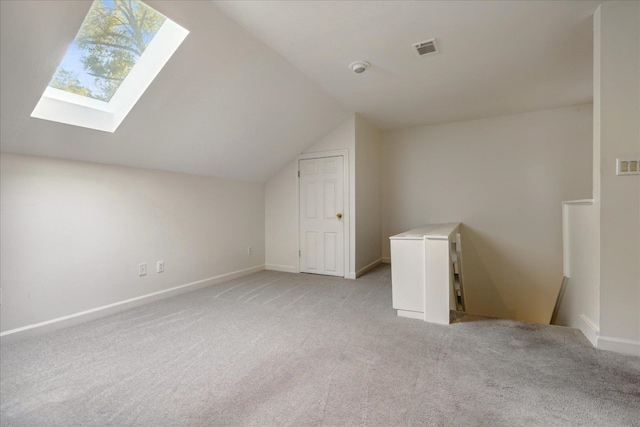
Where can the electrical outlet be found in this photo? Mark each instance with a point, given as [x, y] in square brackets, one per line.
[160, 267]
[249, 250]
[142, 269]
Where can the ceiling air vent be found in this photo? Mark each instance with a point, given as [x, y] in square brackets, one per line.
[426, 47]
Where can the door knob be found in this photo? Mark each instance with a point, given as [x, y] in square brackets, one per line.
[339, 215]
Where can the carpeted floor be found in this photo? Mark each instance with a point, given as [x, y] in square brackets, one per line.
[279, 349]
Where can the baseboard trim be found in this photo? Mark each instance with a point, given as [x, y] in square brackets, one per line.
[386, 259]
[619, 345]
[283, 268]
[589, 329]
[368, 267]
[106, 310]
[411, 314]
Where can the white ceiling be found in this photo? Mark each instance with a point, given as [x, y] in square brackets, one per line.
[240, 102]
[225, 104]
[497, 57]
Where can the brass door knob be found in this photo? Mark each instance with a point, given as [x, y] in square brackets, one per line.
[339, 215]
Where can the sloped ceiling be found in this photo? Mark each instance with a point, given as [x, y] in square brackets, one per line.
[225, 105]
[497, 57]
[255, 83]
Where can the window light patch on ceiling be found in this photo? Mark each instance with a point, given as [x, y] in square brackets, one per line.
[120, 48]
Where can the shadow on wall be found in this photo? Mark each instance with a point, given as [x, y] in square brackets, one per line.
[481, 293]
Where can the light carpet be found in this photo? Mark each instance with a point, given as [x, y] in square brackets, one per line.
[281, 349]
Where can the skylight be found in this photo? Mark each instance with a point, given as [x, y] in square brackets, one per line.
[120, 48]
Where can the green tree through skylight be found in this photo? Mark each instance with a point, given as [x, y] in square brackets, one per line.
[112, 38]
[68, 81]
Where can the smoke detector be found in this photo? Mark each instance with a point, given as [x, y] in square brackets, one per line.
[359, 67]
[427, 47]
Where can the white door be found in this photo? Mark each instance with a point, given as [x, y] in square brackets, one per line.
[321, 216]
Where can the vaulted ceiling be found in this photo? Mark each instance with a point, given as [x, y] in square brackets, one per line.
[255, 83]
[225, 104]
[497, 57]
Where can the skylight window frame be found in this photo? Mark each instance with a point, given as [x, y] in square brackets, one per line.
[77, 110]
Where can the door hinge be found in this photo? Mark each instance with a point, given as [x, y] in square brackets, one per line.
[298, 174]
[299, 254]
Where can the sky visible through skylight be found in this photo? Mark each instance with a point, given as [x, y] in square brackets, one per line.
[112, 38]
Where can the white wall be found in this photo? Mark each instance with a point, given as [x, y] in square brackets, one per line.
[617, 61]
[580, 304]
[73, 234]
[367, 184]
[504, 178]
[341, 137]
[281, 220]
[281, 203]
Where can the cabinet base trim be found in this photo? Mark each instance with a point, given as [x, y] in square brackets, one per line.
[411, 314]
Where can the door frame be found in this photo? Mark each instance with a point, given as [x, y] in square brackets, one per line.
[346, 232]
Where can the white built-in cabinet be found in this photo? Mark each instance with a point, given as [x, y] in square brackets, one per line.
[426, 272]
